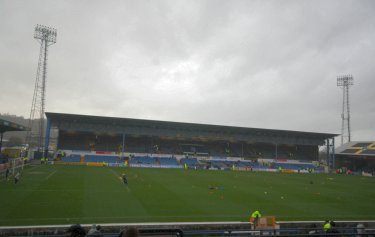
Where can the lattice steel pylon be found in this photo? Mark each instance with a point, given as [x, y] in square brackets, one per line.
[46, 36]
[345, 82]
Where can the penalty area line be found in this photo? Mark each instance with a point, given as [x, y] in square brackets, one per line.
[31, 168]
[49, 176]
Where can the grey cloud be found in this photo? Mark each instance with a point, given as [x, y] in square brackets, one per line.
[270, 64]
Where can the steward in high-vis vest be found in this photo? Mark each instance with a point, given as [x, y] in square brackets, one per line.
[326, 226]
[254, 218]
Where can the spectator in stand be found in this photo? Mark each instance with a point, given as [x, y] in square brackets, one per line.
[130, 232]
[92, 230]
[313, 230]
[76, 231]
[95, 230]
[326, 226]
[254, 219]
[360, 230]
[333, 230]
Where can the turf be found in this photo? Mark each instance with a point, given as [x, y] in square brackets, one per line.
[62, 194]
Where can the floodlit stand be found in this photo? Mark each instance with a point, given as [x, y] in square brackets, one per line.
[345, 82]
[46, 37]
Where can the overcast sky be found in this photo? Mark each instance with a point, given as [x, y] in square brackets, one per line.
[262, 64]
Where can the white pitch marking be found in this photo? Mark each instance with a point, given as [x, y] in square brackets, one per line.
[49, 176]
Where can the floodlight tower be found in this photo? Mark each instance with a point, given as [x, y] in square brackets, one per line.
[345, 82]
[46, 36]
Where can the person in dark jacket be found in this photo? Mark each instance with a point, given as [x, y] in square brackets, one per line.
[125, 179]
[76, 231]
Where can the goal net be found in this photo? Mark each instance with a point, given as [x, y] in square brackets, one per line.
[14, 165]
[17, 164]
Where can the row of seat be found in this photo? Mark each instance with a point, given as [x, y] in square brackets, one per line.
[106, 159]
[72, 158]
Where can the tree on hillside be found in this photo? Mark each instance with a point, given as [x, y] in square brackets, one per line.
[14, 118]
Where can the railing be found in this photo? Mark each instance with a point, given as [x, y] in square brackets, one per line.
[346, 228]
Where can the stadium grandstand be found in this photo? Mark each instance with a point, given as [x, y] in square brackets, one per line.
[150, 143]
[7, 126]
[357, 156]
[167, 204]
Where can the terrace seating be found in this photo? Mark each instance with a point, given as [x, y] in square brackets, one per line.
[194, 149]
[220, 164]
[264, 151]
[246, 164]
[143, 160]
[189, 161]
[102, 158]
[72, 158]
[168, 161]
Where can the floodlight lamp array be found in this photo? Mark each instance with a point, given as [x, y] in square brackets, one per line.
[346, 80]
[45, 33]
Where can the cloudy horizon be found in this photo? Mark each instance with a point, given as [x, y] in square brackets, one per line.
[261, 64]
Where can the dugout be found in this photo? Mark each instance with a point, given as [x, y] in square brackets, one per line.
[111, 134]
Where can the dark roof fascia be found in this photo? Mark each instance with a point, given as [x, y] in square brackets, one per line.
[182, 126]
[7, 126]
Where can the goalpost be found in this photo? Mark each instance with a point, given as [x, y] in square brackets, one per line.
[14, 165]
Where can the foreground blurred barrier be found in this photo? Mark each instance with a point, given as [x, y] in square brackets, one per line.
[298, 228]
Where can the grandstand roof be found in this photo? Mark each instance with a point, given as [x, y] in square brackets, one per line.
[178, 130]
[7, 126]
[357, 148]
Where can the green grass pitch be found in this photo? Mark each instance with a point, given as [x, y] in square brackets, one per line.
[62, 194]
